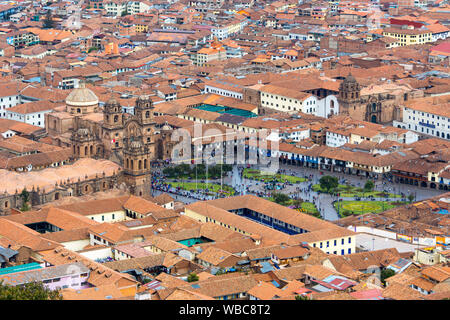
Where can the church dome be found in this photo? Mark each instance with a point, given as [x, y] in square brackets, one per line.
[81, 97]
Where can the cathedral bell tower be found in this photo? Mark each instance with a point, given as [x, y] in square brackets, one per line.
[136, 161]
[349, 95]
[112, 126]
[144, 110]
[143, 114]
[83, 143]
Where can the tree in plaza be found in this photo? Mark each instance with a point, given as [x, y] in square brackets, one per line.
[48, 22]
[192, 277]
[25, 195]
[280, 198]
[227, 167]
[328, 183]
[302, 297]
[201, 169]
[411, 197]
[368, 186]
[297, 203]
[169, 171]
[28, 291]
[386, 273]
[214, 171]
[185, 168]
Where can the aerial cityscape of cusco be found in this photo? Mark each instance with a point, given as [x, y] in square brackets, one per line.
[234, 150]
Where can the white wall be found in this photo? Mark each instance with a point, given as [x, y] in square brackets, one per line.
[76, 245]
[324, 106]
[100, 253]
[8, 102]
[108, 216]
[391, 235]
[223, 92]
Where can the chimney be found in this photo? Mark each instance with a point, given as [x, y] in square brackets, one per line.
[256, 239]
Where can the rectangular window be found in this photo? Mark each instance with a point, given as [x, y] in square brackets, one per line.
[349, 240]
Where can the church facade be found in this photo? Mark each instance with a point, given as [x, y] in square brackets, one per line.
[375, 103]
[131, 141]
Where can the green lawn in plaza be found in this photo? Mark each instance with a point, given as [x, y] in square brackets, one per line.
[346, 191]
[307, 207]
[280, 178]
[212, 187]
[346, 208]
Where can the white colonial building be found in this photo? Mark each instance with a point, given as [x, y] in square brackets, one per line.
[432, 120]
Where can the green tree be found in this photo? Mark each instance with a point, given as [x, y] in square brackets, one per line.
[25, 195]
[328, 183]
[297, 203]
[28, 291]
[192, 277]
[48, 22]
[221, 271]
[386, 273]
[302, 297]
[169, 171]
[280, 198]
[200, 170]
[411, 197]
[368, 186]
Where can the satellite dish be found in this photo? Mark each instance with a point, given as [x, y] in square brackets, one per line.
[30, 167]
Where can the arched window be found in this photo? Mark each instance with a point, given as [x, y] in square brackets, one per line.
[57, 195]
[116, 118]
[140, 164]
[85, 150]
[145, 164]
[147, 114]
[6, 204]
[91, 150]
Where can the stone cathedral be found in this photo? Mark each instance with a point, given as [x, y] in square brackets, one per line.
[132, 141]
